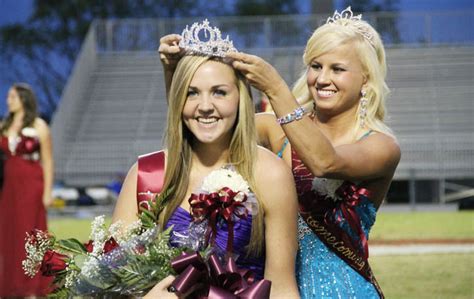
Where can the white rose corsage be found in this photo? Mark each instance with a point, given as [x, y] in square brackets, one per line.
[224, 197]
[29, 132]
[327, 187]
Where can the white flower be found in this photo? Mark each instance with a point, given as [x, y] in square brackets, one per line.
[116, 230]
[90, 267]
[218, 179]
[71, 277]
[29, 132]
[98, 235]
[327, 187]
[36, 245]
[121, 234]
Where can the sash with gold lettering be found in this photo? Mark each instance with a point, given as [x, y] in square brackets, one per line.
[324, 217]
[150, 176]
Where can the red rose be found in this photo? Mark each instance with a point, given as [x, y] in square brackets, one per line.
[140, 248]
[89, 246]
[110, 244]
[53, 263]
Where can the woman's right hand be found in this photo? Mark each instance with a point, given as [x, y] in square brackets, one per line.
[170, 52]
[160, 290]
[260, 74]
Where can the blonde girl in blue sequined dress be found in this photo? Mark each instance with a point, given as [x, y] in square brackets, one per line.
[342, 154]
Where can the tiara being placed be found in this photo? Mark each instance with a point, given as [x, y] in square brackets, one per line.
[213, 46]
[360, 27]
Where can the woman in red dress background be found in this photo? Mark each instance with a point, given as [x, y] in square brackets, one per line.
[27, 184]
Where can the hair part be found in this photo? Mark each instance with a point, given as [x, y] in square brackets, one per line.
[242, 148]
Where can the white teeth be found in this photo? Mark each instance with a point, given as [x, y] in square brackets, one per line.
[326, 93]
[207, 120]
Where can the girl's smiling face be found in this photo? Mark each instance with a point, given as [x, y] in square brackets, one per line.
[212, 103]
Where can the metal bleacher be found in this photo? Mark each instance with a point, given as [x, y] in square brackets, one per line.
[431, 110]
[121, 115]
[114, 109]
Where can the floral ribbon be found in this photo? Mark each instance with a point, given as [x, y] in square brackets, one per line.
[216, 281]
[219, 205]
[351, 195]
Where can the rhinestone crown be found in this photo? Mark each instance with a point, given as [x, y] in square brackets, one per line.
[356, 22]
[213, 46]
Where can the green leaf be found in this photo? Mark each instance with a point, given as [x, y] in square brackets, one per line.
[79, 260]
[72, 245]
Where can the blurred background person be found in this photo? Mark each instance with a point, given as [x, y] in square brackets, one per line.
[25, 143]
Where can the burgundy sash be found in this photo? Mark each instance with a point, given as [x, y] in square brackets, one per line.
[150, 177]
[321, 216]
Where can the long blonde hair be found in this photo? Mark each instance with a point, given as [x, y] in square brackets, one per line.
[179, 140]
[371, 53]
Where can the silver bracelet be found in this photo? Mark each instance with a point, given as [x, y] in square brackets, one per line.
[297, 114]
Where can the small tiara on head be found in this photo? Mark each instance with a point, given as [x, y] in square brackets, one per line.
[213, 46]
[357, 23]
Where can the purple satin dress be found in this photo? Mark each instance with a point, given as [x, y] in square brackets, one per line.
[150, 182]
[181, 220]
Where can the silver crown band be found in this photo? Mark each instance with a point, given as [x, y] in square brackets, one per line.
[214, 46]
[360, 27]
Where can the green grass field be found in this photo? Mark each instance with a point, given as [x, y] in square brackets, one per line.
[425, 276]
[423, 225]
[404, 276]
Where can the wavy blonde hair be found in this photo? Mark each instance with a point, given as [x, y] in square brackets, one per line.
[372, 57]
[242, 148]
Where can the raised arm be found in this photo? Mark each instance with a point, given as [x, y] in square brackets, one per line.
[170, 53]
[374, 157]
[278, 194]
[47, 162]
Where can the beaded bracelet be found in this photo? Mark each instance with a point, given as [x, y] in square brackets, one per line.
[297, 114]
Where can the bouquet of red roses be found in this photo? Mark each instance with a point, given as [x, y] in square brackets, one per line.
[118, 260]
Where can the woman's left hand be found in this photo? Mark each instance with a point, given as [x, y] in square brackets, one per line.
[47, 200]
[259, 73]
[160, 290]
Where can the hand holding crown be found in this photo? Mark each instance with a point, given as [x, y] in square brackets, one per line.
[170, 52]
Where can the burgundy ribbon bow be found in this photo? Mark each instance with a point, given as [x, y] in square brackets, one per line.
[214, 206]
[218, 281]
[351, 197]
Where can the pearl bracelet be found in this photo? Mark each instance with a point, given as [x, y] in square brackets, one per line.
[297, 114]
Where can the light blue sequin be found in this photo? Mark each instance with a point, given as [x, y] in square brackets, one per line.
[321, 273]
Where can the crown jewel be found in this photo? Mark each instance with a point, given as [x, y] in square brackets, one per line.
[213, 46]
[357, 23]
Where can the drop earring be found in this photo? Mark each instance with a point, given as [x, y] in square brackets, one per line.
[363, 108]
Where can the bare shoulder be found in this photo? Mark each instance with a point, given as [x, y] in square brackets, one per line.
[276, 187]
[385, 146]
[41, 126]
[385, 142]
[271, 169]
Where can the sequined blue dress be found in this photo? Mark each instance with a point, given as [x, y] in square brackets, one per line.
[320, 272]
